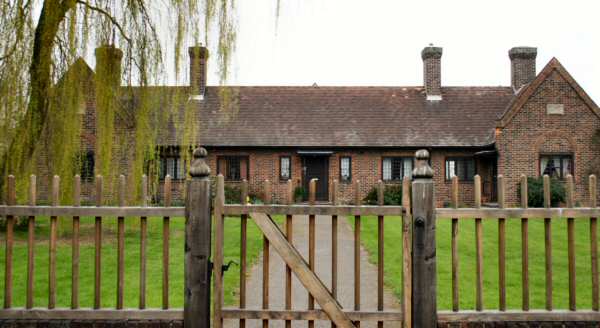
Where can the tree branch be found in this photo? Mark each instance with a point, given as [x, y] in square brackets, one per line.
[107, 15]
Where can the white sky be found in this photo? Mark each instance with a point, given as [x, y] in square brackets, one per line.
[378, 42]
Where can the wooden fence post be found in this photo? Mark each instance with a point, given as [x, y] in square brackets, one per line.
[424, 307]
[197, 244]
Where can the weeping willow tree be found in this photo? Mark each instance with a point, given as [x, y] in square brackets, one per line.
[43, 81]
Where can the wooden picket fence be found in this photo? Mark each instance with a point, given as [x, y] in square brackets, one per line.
[418, 246]
[75, 211]
[523, 213]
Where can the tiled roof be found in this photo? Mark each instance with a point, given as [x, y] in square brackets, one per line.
[348, 117]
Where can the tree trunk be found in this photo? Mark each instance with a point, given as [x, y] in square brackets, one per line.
[30, 128]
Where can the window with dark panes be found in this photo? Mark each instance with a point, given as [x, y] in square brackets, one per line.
[462, 167]
[556, 166]
[86, 165]
[345, 169]
[233, 168]
[285, 167]
[396, 168]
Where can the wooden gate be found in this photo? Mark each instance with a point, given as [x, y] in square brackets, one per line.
[275, 239]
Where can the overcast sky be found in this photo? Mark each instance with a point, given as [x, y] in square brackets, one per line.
[378, 42]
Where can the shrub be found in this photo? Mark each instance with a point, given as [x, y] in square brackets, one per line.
[392, 195]
[233, 194]
[535, 192]
[300, 194]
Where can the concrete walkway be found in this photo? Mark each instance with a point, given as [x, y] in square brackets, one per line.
[323, 268]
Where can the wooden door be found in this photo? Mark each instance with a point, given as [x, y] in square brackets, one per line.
[317, 167]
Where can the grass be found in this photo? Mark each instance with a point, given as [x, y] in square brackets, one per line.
[109, 260]
[393, 260]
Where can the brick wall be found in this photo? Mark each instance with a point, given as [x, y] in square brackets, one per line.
[366, 167]
[533, 132]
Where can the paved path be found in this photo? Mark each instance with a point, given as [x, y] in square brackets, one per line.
[323, 268]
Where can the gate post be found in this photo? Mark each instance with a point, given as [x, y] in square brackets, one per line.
[197, 267]
[424, 307]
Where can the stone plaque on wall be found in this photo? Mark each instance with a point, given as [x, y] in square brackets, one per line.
[555, 109]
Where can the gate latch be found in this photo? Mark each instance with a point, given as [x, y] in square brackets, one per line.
[225, 267]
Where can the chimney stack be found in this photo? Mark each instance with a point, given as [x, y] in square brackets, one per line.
[432, 72]
[198, 69]
[522, 66]
[108, 66]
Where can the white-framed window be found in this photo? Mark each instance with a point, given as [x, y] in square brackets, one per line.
[285, 168]
[462, 167]
[174, 166]
[345, 169]
[556, 166]
[396, 168]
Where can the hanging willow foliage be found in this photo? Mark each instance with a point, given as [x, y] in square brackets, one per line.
[45, 86]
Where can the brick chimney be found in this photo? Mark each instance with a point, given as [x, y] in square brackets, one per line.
[432, 72]
[198, 70]
[108, 66]
[522, 66]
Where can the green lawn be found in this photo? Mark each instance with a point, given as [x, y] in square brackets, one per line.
[109, 260]
[393, 258]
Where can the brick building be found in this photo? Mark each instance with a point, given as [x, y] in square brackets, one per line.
[541, 123]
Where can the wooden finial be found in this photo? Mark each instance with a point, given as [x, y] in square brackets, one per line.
[199, 167]
[422, 169]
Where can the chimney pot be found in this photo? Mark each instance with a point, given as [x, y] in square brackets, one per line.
[432, 72]
[198, 69]
[522, 66]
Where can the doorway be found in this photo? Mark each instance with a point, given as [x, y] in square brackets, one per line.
[317, 167]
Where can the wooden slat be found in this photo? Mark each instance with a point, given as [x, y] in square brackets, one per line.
[406, 254]
[243, 249]
[267, 195]
[478, 249]
[571, 244]
[52, 246]
[380, 249]
[306, 276]
[98, 247]
[524, 247]
[31, 245]
[289, 235]
[334, 243]
[38, 314]
[455, 259]
[517, 213]
[390, 316]
[357, 228]
[594, 244]
[75, 246]
[237, 209]
[501, 246]
[312, 192]
[535, 317]
[143, 241]
[121, 246]
[265, 268]
[8, 257]
[548, 242]
[219, 202]
[165, 246]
